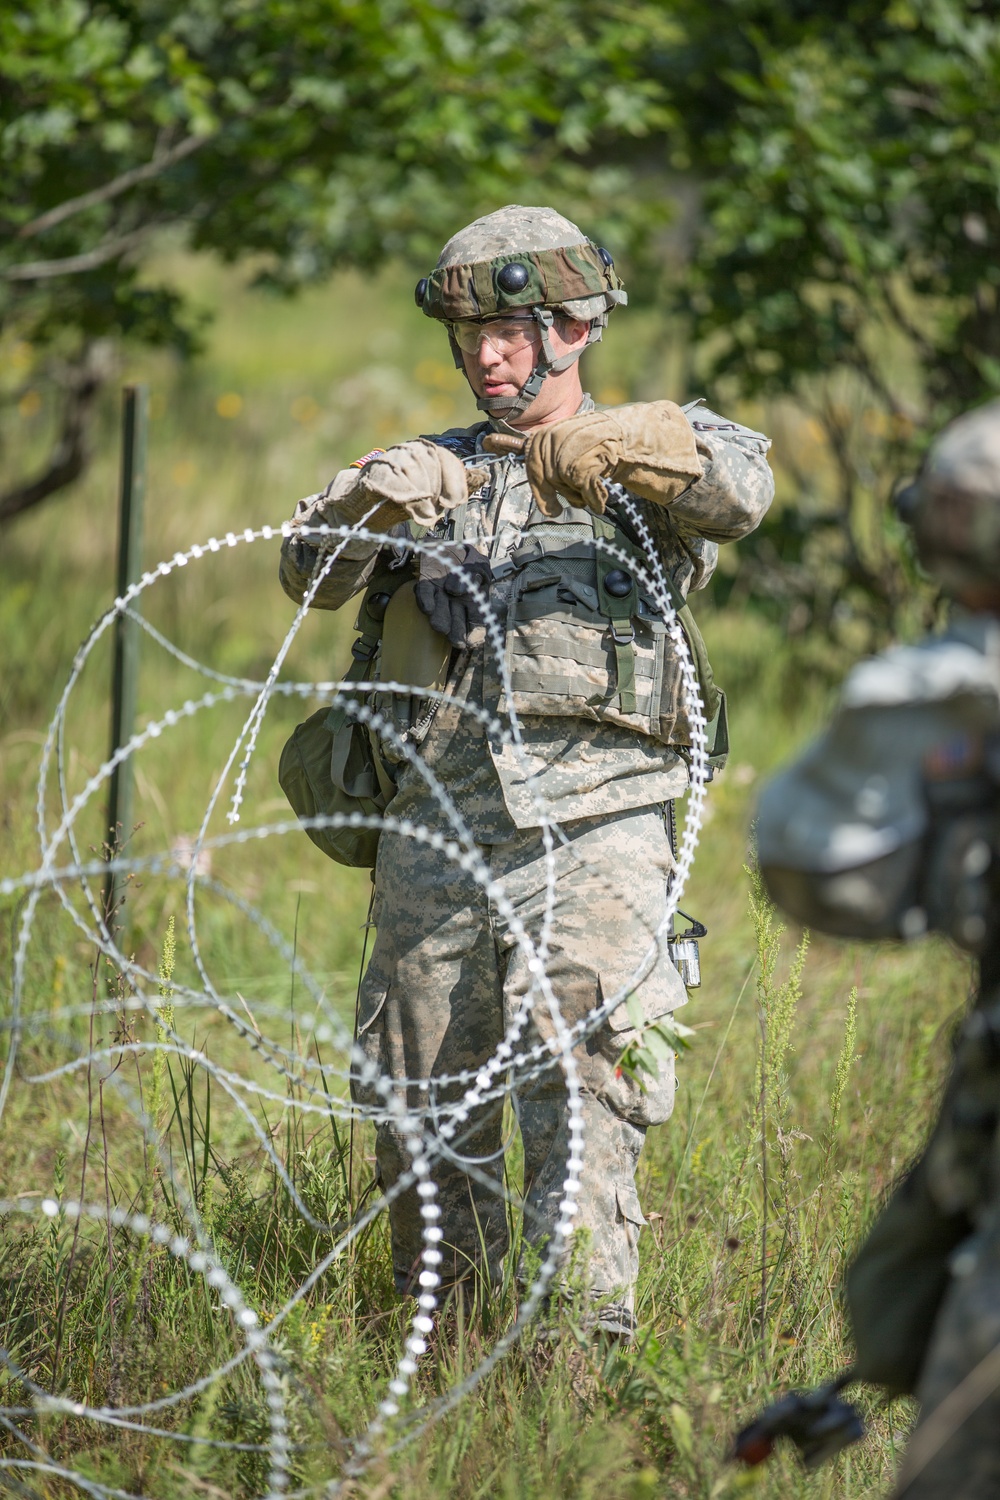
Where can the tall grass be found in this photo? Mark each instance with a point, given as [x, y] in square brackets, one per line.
[739, 1297]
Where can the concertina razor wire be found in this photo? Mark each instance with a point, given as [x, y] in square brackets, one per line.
[64, 870]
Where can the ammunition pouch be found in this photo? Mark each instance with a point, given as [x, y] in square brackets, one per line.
[584, 639]
[414, 655]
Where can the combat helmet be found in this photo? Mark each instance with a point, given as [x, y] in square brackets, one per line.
[953, 505]
[517, 258]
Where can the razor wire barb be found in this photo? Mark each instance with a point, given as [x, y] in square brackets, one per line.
[306, 1087]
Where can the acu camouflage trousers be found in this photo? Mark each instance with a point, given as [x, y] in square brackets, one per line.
[446, 976]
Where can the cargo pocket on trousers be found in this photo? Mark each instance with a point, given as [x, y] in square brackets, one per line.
[646, 1099]
[369, 1040]
[660, 992]
[629, 1212]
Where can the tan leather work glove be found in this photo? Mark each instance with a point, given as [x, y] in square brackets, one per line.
[414, 481]
[648, 447]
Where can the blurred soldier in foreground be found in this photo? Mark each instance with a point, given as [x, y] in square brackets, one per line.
[604, 724]
[889, 826]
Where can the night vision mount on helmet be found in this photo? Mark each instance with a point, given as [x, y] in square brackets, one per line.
[522, 258]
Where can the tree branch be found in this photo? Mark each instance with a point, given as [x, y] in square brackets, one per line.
[926, 346]
[73, 265]
[114, 188]
[69, 456]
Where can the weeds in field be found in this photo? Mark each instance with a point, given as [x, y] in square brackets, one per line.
[739, 1290]
[739, 1298]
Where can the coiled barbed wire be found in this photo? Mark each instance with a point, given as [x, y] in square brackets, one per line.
[429, 1134]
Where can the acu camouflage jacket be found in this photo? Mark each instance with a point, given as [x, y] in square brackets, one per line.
[594, 681]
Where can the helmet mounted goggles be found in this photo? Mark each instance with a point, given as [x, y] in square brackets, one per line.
[578, 281]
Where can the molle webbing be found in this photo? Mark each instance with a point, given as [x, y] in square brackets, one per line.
[619, 610]
[459, 518]
[713, 698]
[584, 639]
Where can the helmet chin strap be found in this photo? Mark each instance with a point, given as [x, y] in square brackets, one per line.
[548, 364]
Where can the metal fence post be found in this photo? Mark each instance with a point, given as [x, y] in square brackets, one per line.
[125, 668]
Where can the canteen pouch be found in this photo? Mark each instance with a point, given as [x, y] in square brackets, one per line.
[413, 652]
[332, 764]
[414, 655]
[329, 766]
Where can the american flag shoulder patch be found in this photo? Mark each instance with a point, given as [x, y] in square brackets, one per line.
[359, 463]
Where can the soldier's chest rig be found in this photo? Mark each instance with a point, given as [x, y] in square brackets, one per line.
[583, 633]
[582, 636]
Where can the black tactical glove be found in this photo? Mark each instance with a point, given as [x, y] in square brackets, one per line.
[444, 593]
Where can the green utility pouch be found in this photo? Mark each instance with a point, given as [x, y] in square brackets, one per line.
[712, 696]
[413, 654]
[332, 765]
[311, 759]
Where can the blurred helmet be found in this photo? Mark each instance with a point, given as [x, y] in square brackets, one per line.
[522, 258]
[953, 505]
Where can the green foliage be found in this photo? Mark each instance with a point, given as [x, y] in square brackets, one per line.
[310, 137]
[852, 187]
[323, 135]
[845, 1062]
[560, 1419]
[652, 1045]
[846, 254]
[830, 170]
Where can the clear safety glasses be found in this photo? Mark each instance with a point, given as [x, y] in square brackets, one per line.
[504, 335]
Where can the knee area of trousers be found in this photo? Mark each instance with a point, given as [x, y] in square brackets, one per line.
[643, 1100]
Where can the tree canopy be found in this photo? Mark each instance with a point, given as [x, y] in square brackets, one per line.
[847, 251]
[312, 134]
[843, 159]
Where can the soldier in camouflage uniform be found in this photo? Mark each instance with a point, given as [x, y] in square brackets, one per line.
[604, 732]
[888, 827]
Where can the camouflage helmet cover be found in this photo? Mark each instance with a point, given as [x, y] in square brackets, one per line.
[557, 267]
[953, 505]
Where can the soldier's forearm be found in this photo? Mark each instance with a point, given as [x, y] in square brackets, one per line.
[733, 494]
[300, 554]
[346, 577]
